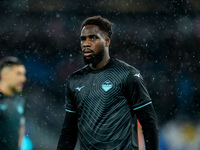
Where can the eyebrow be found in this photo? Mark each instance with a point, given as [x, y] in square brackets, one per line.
[88, 36]
[82, 37]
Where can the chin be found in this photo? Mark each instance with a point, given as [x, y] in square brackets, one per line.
[87, 60]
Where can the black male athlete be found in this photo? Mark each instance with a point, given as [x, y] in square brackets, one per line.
[105, 98]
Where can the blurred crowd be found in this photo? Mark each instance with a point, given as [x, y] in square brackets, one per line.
[162, 41]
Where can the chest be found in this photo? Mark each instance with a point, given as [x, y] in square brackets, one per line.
[99, 90]
[10, 107]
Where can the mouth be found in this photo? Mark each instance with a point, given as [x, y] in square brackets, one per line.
[20, 86]
[87, 52]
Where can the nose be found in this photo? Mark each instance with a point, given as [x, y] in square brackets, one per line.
[24, 78]
[87, 43]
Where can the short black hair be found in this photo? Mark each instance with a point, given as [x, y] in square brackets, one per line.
[104, 24]
[9, 61]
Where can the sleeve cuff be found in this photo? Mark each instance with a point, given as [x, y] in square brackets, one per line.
[70, 111]
[142, 106]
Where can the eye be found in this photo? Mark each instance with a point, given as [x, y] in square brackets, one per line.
[82, 38]
[93, 37]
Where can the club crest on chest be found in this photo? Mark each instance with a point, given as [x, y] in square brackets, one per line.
[107, 85]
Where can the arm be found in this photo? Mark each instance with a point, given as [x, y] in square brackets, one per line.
[21, 131]
[69, 131]
[141, 104]
[147, 118]
[21, 135]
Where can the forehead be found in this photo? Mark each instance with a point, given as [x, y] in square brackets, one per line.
[13, 69]
[90, 30]
[18, 68]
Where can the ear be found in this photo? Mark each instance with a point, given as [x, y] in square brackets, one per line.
[5, 73]
[107, 41]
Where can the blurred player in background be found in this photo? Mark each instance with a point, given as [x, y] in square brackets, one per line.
[105, 98]
[12, 121]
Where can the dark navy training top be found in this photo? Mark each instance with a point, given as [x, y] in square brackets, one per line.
[104, 101]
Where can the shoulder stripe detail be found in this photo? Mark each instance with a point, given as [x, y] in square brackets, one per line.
[142, 106]
[70, 111]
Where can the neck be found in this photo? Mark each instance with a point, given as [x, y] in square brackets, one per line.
[101, 64]
[5, 90]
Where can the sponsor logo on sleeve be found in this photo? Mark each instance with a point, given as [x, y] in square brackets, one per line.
[137, 75]
[79, 88]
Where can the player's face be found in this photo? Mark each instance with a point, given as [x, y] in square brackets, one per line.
[16, 78]
[92, 44]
